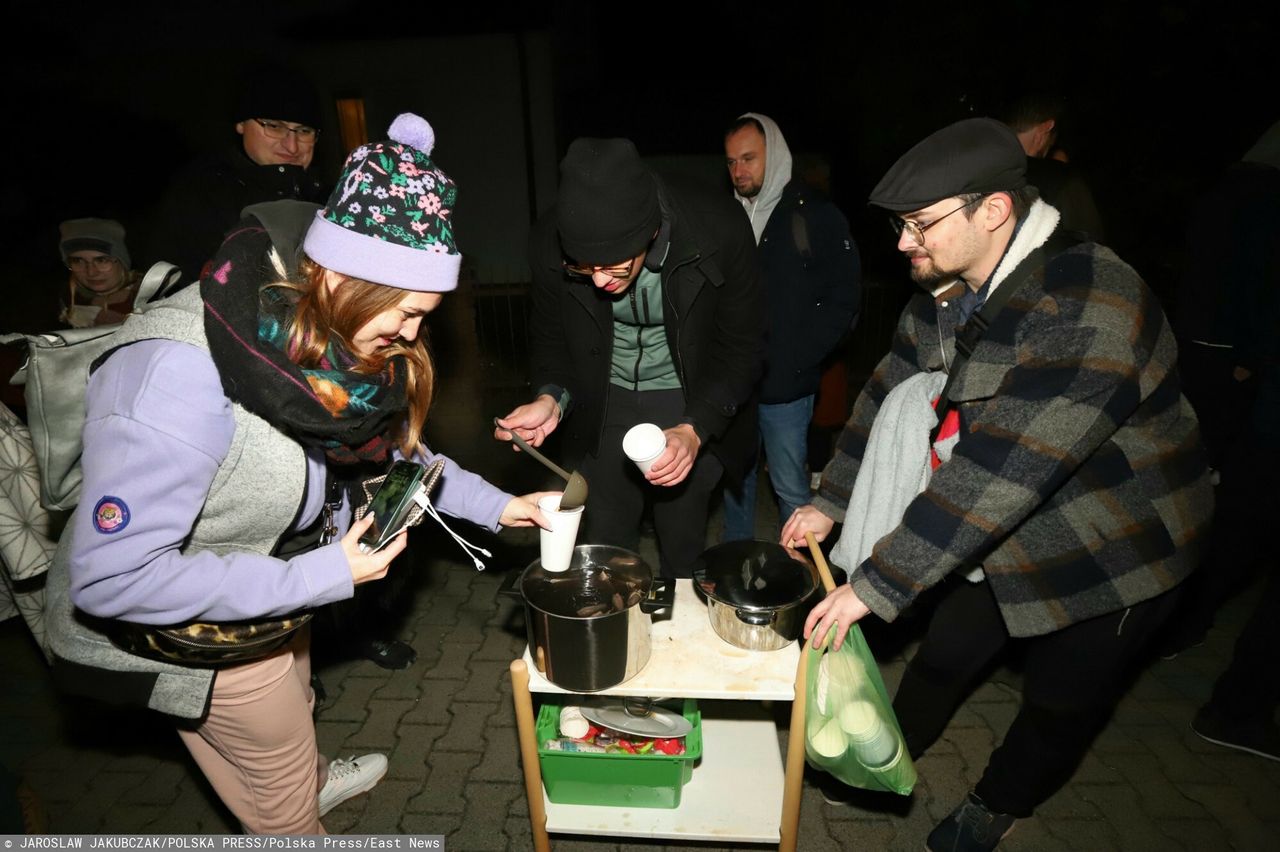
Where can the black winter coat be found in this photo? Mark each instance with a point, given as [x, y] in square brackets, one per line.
[812, 293]
[714, 322]
[206, 199]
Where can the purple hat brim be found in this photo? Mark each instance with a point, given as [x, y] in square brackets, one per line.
[380, 261]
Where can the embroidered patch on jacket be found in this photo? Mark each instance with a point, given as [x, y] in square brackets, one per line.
[110, 515]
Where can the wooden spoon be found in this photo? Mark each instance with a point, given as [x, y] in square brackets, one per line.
[575, 489]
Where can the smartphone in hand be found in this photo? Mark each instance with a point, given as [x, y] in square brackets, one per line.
[392, 503]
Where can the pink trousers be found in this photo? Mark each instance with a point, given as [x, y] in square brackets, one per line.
[257, 746]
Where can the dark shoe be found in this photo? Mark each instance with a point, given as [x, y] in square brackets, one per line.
[318, 690]
[1177, 641]
[970, 828]
[390, 653]
[1260, 738]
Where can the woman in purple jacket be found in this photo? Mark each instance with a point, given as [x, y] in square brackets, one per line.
[213, 436]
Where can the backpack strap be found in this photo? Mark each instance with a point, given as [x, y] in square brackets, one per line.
[800, 235]
[161, 280]
[970, 334]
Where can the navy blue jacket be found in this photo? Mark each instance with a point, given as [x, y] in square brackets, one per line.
[812, 293]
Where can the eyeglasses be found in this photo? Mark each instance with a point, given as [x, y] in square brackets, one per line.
[579, 270]
[101, 262]
[915, 230]
[278, 130]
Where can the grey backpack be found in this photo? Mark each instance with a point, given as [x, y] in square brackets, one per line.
[56, 374]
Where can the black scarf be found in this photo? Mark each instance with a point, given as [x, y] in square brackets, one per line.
[347, 414]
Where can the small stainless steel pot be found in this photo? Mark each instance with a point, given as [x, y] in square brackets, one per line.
[589, 626]
[758, 592]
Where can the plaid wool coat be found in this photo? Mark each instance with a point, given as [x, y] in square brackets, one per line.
[1079, 483]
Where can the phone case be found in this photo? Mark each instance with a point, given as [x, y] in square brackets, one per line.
[414, 517]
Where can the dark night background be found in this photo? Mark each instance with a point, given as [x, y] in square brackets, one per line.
[1164, 95]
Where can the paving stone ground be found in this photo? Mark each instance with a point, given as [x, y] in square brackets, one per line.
[447, 725]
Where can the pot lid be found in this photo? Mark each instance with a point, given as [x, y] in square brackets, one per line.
[600, 580]
[653, 721]
[754, 574]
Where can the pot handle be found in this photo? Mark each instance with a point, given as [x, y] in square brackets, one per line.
[662, 595]
[508, 587]
[754, 617]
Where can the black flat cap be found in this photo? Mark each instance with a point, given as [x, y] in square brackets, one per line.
[973, 155]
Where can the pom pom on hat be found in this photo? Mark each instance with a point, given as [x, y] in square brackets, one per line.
[390, 218]
[413, 130]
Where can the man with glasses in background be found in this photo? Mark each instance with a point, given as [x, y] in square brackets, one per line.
[276, 120]
[1074, 501]
[646, 308]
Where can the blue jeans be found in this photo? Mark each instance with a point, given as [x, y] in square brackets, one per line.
[784, 432]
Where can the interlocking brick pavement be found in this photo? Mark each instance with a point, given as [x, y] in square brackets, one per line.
[447, 726]
[448, 729]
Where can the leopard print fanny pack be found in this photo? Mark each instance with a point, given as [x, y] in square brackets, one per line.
[223, 643]
[207, 643]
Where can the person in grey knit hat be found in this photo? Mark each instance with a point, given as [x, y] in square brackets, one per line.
[102, 284]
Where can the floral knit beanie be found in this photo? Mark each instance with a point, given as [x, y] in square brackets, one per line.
[389, 219]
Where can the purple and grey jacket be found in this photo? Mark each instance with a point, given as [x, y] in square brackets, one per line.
[185, 496]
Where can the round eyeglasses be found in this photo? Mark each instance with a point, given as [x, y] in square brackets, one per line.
[916, 231]
[279, 130]
[581, 270]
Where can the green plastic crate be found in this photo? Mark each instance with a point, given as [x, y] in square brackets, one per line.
[617, 780]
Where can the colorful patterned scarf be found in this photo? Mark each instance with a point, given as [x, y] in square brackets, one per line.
[347, 414]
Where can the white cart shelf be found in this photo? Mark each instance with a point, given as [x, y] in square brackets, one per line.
[737, 789]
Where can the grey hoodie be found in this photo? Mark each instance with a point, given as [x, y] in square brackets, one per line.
[777, 174]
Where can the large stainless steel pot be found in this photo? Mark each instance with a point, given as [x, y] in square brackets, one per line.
[758, 592]
[589, 626]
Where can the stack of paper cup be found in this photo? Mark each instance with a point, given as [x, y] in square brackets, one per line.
[558, 542]
[643, 443]
[873, 741]
[573, 724]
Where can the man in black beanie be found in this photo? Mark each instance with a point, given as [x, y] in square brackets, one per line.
[646, 309]
[1069, 493]
[276, 120]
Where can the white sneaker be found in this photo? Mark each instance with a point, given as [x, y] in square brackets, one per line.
[349, 778]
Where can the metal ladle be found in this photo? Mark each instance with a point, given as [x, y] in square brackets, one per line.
[575, 489]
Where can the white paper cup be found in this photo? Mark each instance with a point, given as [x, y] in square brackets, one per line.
[558, 542]
[643, 443]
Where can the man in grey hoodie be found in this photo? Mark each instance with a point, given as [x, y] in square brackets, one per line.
[812, 283]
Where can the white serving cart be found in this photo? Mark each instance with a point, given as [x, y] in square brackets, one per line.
[740, 792]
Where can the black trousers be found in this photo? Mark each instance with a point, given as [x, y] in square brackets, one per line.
[1073, 679]
[1248, 692]
[618, 492]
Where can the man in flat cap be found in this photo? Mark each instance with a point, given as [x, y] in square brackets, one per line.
[646, 309]
[1069, 491]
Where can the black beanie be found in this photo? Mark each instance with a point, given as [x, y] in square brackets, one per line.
[974, 155]
[607, 211]
[279, 93]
